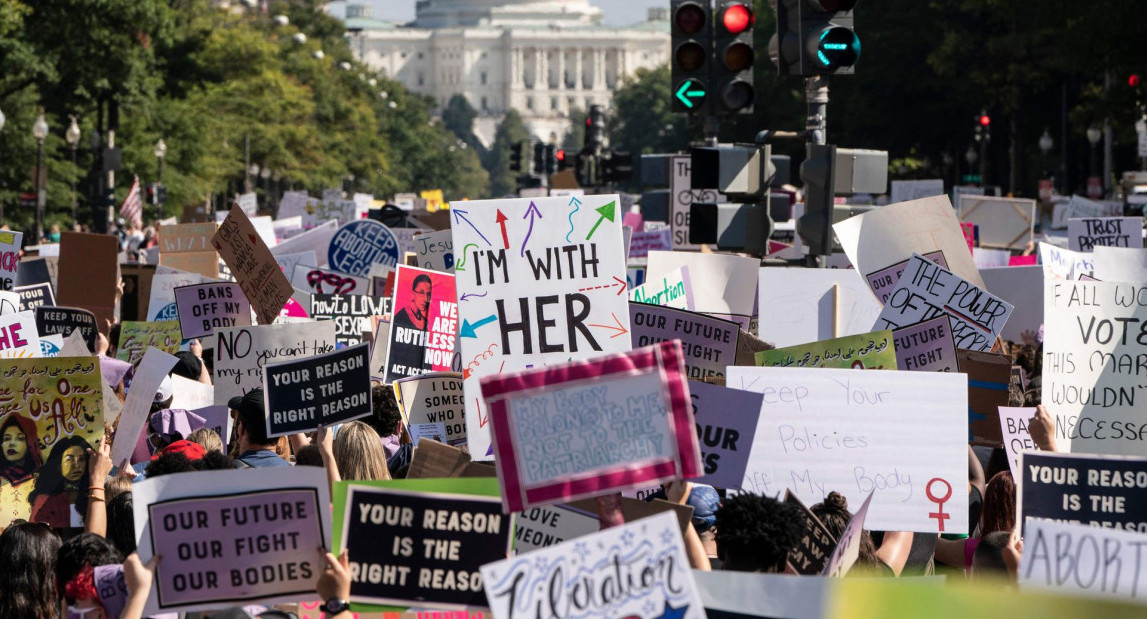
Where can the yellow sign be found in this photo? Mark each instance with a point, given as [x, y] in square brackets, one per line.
[434, 200]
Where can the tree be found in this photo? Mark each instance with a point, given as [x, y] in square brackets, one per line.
[641, 120]
[458, 118]
[574, 138]
[509, 132]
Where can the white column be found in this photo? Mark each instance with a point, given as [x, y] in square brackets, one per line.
[577, 69]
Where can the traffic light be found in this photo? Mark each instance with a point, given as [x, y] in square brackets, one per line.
[550, 159]
[815, 226]
[691, 31]
[816, 37]
[617, 167]
[520, 157]
[563, 161]
[732, 74]
[595, 128]
[539, 167]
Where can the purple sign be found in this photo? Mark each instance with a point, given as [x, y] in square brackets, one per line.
[641, 243]
[883, 282]
[230, 549]
[202, 308]
[710, 343]
[111, 588]
[726, 422]
[216, 418]
[926, 346]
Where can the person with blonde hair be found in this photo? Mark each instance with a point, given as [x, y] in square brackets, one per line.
[355, 454]
[208, 438]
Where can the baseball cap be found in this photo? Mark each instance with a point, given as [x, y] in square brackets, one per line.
[165, 390]
[193, 451]
[705, 502]
[248, 403]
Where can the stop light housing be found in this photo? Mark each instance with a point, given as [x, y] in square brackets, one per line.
[691, 46]
[815, 226]
[520, 157]
[595, 127]
[816, 37]
[539, 167]
[617, 167]
[732, 86]
[586, 170]
[563, 161]
[550, 160]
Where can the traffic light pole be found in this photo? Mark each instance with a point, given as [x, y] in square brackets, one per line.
[816, 132]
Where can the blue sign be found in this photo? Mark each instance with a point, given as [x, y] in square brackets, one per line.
[359, 244]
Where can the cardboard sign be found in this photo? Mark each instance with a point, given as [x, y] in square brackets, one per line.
[1092, 370]
[358, 244]
[152, 369]
[136, 280]
[1016, 437]
[681, 197]
[1022, 286]
[537, 282]
[847, 550]
[136, 337]
[232, 537]
[1084, 234]
[327, 389]
[203, 262]
[989, 376]
[1120, 264]
[871, 351]
[903, 191]
[241, 353]
[900, 434]
[64, 320]
[582, 428]
[10, 245]
[317, 240]
[181, 238]
[50, 414]
[412, 548]
[19, 336]
[89, 274]
[351, 314]
[161, 304]
[433, 398]
[723, 285]
[670, 290]
[648, 555]
[726, 423]
[710, 344]
[926, 347]
[202, 308]
[928, 290]
[1066, 558]
[1100, 491]
[810, 305]
[812, 553]
[643, 242]
[34, 296]
[424, 325]
[1006, 223]
[435, 250]
[253, 266]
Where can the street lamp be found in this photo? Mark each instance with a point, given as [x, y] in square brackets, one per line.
[160, 153]
[1094, 134]
[72, 135]
[40, 131]
[1045, 144]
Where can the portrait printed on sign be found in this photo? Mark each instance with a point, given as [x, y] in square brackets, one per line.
[424, 324]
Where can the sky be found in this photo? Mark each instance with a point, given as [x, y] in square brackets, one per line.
[617, 12]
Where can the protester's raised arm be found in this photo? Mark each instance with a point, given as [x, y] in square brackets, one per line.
[138, 576]
[100, 466]
[325, 439]
[1042, 429]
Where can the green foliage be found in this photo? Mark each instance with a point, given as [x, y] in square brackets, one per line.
[509, 132]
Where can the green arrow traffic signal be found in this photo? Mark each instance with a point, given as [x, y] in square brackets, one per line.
[691, 93]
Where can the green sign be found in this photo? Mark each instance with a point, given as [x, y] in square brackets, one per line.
[868, 351]
[691, 93]
[970, 178]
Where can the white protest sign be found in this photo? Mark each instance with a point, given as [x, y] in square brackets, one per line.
[287, 262]
[648, 555]
[241, 352]
[1060, 263]
[723, 285]
[1120, 264]
[673, 289]
[903, 191]
[1003, 222]
[248, 203]
[811, 305]
[927, 290]
[317, 240]
[1016, 438]
[1023, 288]
[681, 197]
[435, 250]
[9, 302]
[1081, 559]
[537, 282]
[1094, 349]
[1086, 233]
[148, 375]
[1080, 207]
[902, 434]
[190, 394]
[18, 335]
[434, 398]
[325, 281]
[990, 258]
[161, 302]
[547, 525]
[847, 549]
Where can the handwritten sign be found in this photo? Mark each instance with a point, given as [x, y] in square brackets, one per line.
[36, 295]
[926, 346]
[435, 250]
[358, 244]
[538, 282]
[253, 266]
[900, 434]
[1066, 559]
[241, 353]
[351, 314]
[326, 389]
[647, 554]
[726, 423]
[1100, 491]
[325, 281]
[202, 308]
[63, 320]
[424, 326]
[161, 298]
[723, 285]
[643, 242]
[870, 351]
[19, 337]
[136, 337]
[578, 429]
[1016, 437]
[884, 282]
[317, 240]
[433, 398]
[670, 290]
[710, 344]
[9, 257]
[192, 237]
[1083, 234]
[1060, 263]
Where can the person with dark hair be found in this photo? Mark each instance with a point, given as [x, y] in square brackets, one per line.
[888, 559]
[214, 461]
[755, 533]
[998, 514]
[61, 482]
[28, 578]
[18, 465]
[255, 449]
[989, 559]
[85, 550]
[121, 523]
[169, 463]
[308, 455]
[411, 324]
[191, 365]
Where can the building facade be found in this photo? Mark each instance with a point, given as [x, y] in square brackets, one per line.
[543, 58]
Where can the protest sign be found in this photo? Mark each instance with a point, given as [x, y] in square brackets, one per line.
[350, 312]
[136, 337]
[63, 320]
[433, 431]
[847, 549]
[216, 417]
[325, 281]
[1084, 234]
[969, 231]
[723, 285]
[435, 250]
[379, 348]
[647, 554]
[34, 296]
[19, 337]
[1016, 437]
[1066, 558]
[890, 234]
[903, 191]
[1022, 286]
[287, 262]
[1100, 491]
[317, 240]
[548, 525]
[809, 305]
[537, 282]
[681, 198]
[1079, 207]
[50, 345]
[409, 545]
[870, 351]
[241, 353]
[926, 346]
[884, 282]
[928, 290]
[1005, 223]
[187, 394]
[136, 280]
[424, 325]
[202, 262]
[1093, 352]
[37, 271]
[991, 258]
[253, 265]
[1060, 263]
[1120, 264]
[9, 258]
[670, 290]
[9, 302]
[232, 537]
[585, 427]
[161, 304]
[152, 369]
[726, 423]
[811, 554]
[710, 344]
[325, 389]
[358, 244]
[634, 277]
[643, 242]
[902, 434]
[433, 398]
[202, 308]
[181, 238]
[989, 377]
[89, 275]
[248, 202]
[50, 414]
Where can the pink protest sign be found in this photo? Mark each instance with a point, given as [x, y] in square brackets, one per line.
[1022, 261]
[969, 230]
[582, 428]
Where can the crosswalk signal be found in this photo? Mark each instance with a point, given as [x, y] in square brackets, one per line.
[691, 31]
[732, 80]
[816, 37]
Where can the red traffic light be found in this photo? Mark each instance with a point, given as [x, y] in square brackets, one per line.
[690, 18]
[737, 19]
[984, 120]
[560, 155]
[1133, 81]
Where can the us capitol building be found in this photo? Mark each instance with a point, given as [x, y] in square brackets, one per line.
[543, 58]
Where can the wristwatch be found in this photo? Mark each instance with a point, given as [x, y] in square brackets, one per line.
[335, 606]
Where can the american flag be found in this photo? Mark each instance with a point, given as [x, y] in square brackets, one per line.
[132, 207]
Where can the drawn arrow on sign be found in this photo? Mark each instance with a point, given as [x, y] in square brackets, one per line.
[606, 211]
[482, 419]
[621, 286]
[619, 329]
[533, 213]
[574, 202]
[460, 215]
[470, 330]
[470, 294]
[501, 219]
